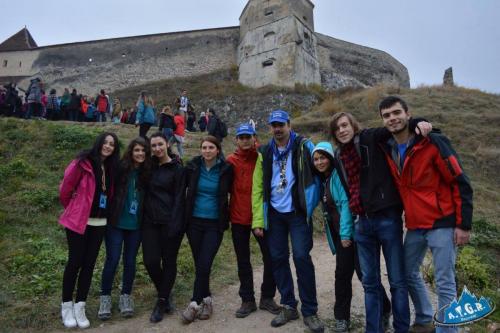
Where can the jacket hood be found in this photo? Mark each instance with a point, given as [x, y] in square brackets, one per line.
[324, 147]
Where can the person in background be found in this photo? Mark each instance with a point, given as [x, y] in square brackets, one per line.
[85, 193]
[209, 180]
[74, 106]
[167, 123]
[34, 98]
[124, 117]
[163, 223]
[103, 106]
[123, 230]
[146, 114]
[202, 122]
[179, 132]
[90, 115]
[65, 101]
[240, 207]
[53, 110]
[117, 111]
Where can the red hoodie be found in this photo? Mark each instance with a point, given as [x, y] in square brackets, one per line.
[240, 205]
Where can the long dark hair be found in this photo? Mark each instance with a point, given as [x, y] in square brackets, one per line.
[127, 161]
[94, 154]
[169, 149]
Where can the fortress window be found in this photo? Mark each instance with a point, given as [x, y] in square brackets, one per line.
[123, 55]
[305, 18]
[5, 63]
[20, 64]
[166, 49]
[306, 35]
[268, 12]
[269, 34]
[268, 62]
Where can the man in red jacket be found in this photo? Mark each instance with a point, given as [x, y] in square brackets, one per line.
[243, 161]
[437, 199]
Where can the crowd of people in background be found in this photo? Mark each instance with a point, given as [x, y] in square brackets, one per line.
[173, 120]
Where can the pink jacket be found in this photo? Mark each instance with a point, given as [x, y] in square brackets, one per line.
[76, 194]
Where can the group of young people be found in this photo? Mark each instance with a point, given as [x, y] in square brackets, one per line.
[271, 190]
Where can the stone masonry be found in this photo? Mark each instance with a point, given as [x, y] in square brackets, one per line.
[275, 44]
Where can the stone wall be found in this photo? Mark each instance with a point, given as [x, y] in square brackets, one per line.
[122, 62]
[346, 64]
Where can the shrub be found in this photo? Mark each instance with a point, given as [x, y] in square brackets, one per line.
[471, 270]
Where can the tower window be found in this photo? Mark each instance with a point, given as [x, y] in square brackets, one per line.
[305, 18]
[306, 35]
[269, 34]
[268, 12]
[268, 62]
[5, 63]
[20, 64]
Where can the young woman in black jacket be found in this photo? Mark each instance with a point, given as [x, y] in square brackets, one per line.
[163, 223]
[123, 229]
[209, 180]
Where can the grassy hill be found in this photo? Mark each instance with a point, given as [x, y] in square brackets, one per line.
[33, 155]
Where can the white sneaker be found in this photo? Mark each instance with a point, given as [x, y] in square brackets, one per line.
[67, 314]
[81, 318]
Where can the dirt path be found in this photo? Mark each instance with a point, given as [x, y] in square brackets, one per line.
[227, 301]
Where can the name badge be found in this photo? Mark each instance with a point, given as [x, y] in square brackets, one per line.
[102, 201]
[133, 207]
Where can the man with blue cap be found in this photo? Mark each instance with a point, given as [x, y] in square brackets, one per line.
[240, 208]
[285, 192]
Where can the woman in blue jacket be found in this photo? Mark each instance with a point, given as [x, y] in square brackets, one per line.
[146, 114]
[339, 231]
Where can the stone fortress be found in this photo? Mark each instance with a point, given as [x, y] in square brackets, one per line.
[275, 44]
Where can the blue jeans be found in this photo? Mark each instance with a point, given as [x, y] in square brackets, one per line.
[385, 230]
[115, 239]
[441, 243]
[280, 225]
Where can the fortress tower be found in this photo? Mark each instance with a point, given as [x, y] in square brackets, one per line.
[278, 44]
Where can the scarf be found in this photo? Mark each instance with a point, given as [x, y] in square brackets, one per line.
[282, 154]
[352, 165]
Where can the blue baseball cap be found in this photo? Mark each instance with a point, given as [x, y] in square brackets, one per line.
[278, 116]
[245, 128]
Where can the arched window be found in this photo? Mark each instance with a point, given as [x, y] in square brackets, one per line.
[268, 62]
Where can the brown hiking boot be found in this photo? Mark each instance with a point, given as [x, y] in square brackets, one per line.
[245, 309]
[191, 312]
[286, 314]
[270, 305]
[206, 309]
[422, 328]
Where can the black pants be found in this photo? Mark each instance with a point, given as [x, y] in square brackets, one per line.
[82, 255]
[241, 242]
[204, 238]
[346, 264]
[143, 129]
[160, 256]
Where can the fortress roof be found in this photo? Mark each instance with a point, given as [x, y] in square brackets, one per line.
[20, 41]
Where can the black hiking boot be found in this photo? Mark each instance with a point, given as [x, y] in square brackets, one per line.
[269, 305]
[245, 309]
[287, 313]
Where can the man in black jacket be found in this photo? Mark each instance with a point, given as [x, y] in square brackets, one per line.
[375, 202]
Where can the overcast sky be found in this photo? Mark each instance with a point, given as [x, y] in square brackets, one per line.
[427, 36]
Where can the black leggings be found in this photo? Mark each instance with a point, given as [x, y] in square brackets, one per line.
[346, 264]
[82, 255]
[160, 256]
[205, 239]
[143, 129]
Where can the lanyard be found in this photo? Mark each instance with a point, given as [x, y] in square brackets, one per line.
[103, 179]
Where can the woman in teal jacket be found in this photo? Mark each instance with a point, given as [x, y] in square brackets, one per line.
[339, 231]
[146, 114]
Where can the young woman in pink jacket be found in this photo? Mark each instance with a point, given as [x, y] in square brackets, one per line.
[85, 194]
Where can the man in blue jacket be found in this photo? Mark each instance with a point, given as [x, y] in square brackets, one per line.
[284, 194]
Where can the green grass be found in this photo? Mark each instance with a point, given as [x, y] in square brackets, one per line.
[33, 155]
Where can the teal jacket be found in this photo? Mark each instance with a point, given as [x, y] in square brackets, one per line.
[336, 212]
[146, 114]
[305, 193]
